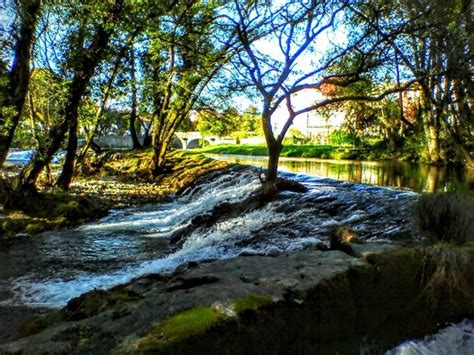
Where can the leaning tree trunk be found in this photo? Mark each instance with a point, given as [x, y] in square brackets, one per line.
[160, 150]
[67, 172]
[431, 126]
[160, 145]
[159, 158]
[89, 143]
[29, 175]
[19, 76]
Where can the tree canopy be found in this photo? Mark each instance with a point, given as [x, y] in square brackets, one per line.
[71, 70]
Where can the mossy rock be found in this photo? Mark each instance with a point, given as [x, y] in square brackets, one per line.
[92, 303]
[71, 210]
[14, 225]
[36, 227]
[179, 328]
[251, 303]
[37, 324]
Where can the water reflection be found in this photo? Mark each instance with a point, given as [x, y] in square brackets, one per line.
[417, 177]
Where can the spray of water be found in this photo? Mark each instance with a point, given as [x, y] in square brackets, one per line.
[291, 223]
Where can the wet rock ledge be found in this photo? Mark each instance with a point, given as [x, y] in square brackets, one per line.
[304, 302]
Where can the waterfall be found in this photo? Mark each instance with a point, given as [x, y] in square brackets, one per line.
[133, 242]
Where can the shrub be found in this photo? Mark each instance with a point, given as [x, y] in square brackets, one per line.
[343, 137]
[446, 273]
[446, 217]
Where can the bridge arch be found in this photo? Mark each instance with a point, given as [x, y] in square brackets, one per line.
[197, 143]
[177, 142]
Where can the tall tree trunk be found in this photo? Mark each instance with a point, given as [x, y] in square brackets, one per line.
[433, 143]
[269, 186]
[160, 149]
[133, 114]
[431, 129]
[67, 173]
[91, 134]
[19, 75]
[159, 158]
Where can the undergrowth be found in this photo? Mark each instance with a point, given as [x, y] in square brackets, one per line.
[447, 222]
[446, 271]
[446, 217]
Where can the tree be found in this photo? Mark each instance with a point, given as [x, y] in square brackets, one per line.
[250, 121]
[185, 55]
[220, 124]
[133, 114]
[88, 47]
[105, 87]
[438, 52]
[44, 99]
[13, 91]
[275, 76]
[299, 31]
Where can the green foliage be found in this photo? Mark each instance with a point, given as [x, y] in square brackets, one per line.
[289, 150]
[296, 133]
[230, 123]
[446, 217]
[343, 137]
[413, 148]
[236, 149]
[219, 124]
[250, 122]
[46, 97]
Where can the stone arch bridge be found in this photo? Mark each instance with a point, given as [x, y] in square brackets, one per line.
[192, 140]
[181, 140]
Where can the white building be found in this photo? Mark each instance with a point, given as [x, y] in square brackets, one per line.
[314, 124]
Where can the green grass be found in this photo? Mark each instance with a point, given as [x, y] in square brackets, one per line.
[289, 150]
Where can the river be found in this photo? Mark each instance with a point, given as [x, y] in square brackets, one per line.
[48, 270]
[53, 267]
[403, 175]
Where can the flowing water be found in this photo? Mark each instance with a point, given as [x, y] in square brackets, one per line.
[53, 267]
[403, 175]
[454, 339]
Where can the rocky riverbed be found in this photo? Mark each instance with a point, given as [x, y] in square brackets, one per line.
[338, 268]
[114, 180]
[304, 302]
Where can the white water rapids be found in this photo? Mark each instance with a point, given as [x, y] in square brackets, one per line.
[454, 339]
[133, 242]
[53, 267]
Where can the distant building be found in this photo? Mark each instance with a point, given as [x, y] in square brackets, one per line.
[315, 125]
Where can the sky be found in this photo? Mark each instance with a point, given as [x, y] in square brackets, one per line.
[4, 18]
[309, 60]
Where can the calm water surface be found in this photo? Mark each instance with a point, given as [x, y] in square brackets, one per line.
[403, 175]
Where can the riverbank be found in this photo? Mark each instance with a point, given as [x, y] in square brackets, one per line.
[304, 302]
[244, 281]
[115, 180]
[309, 151]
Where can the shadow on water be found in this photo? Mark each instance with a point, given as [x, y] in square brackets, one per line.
[415, 176]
